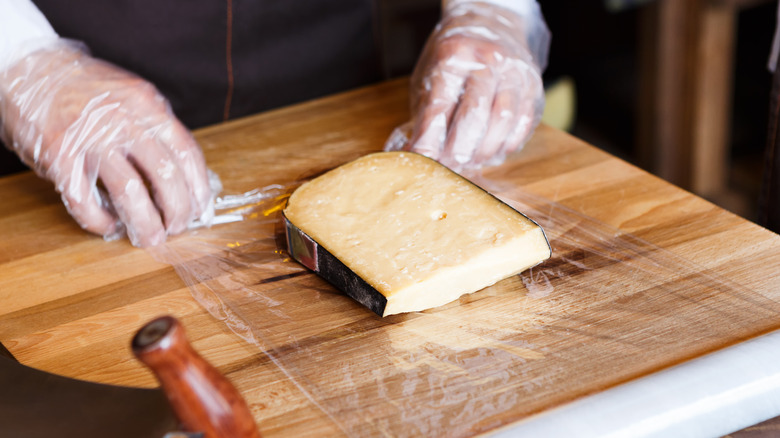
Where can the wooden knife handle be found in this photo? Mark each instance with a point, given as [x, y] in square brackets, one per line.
[202, 398]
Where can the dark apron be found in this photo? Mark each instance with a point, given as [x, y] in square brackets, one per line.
[223, 59]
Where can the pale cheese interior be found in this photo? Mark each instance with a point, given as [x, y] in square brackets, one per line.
[418, 233]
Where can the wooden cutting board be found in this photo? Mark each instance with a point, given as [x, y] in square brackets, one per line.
[645, 276]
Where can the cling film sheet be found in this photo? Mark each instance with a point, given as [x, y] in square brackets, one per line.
[607, 308]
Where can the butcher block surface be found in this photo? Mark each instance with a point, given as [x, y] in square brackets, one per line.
[644, 276]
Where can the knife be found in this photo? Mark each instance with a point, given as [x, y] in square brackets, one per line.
[35, 403]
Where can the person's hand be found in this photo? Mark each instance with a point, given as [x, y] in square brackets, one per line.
[108, 141]
[477, 92]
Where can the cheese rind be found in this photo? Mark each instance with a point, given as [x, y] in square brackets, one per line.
[416, 232]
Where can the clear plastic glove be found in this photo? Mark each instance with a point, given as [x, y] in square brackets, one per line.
[477, 91]
[108, 141]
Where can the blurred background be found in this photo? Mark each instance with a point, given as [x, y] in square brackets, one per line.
[677, 87]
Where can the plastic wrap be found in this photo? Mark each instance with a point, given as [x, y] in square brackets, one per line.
[476, 92]
[569, 327]
[108, 141]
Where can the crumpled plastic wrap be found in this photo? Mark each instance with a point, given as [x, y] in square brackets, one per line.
[562, 330]
[476, 92]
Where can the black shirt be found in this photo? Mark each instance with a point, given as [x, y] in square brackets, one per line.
[222, 59]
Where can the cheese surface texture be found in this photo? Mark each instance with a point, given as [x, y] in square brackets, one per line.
[415, 231]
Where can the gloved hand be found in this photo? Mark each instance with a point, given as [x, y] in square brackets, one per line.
[108, 141]
[476, 91]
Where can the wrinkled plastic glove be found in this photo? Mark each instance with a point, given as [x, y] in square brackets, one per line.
[476, 91]
[108, 141]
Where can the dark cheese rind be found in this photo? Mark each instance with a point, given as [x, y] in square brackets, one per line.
[314, 256]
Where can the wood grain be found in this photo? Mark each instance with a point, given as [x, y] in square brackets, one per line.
[703, 279]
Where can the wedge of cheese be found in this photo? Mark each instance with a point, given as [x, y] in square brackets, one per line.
[399, 232]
